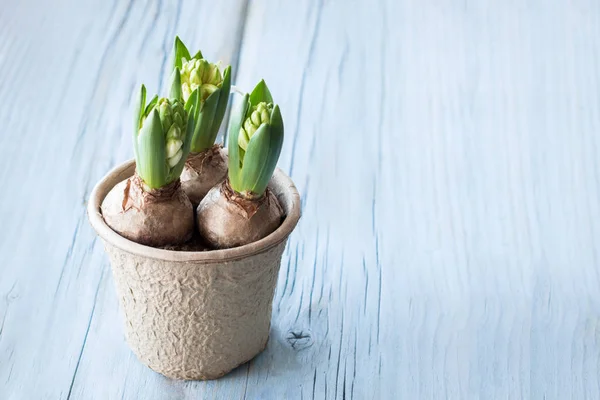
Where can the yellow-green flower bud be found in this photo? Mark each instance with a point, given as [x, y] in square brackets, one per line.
[255, 117]
[249, 127]
[171, 114]
[214, 75]
[177, 119]
[258, 115]
[206, 71]
[173, 147]
[175, 159]
[195, 78]
[174, 132]
[264, 115]
[164, 110]
[199, 73]
[185, 88]
[206, 90]
[243, 139]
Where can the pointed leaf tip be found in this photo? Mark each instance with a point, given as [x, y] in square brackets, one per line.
[176, 92]
[260, 93]
[179, 51]
[151, 162]
[140, 106]
[198, 55]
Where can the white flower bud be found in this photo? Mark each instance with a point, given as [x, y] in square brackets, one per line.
[243, 139]
[185, 88]
[175, 159]
[173, 147]
[248, 127]
[174, 133]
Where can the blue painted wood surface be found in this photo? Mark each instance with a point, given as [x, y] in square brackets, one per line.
[447, 156]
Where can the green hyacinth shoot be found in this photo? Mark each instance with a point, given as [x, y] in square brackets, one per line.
[162, 137]
[259, 114]
[213, 86]
[255, 141]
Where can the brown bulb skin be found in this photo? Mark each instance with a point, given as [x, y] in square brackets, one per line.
[202, 172]
[225, 219]
[152, 217]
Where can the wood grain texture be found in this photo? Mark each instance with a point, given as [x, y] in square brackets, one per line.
[69, 71]
[447, 156]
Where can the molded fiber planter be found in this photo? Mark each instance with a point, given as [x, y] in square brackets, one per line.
[195, 315]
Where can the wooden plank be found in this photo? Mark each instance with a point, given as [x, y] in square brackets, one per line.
[69, 70]
[447, 155]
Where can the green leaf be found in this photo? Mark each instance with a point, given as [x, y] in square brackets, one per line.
[151, 104]
[140, 106]
[277, 123]
[198, 55]
[192, 102]
[175, 92]
[258, 167]
[176, 171]
[276, 142]
[152, 161]
[179, 52]
[262, 155]
[222, 104]
[138, 114]
[260, 93]
[235, 123]
[202, 134]
[189, 133]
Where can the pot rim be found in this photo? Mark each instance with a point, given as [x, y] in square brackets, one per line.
[125, 170]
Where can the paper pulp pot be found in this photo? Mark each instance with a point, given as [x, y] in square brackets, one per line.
[195, 315]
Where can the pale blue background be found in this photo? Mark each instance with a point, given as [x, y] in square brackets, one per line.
[447, 154]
